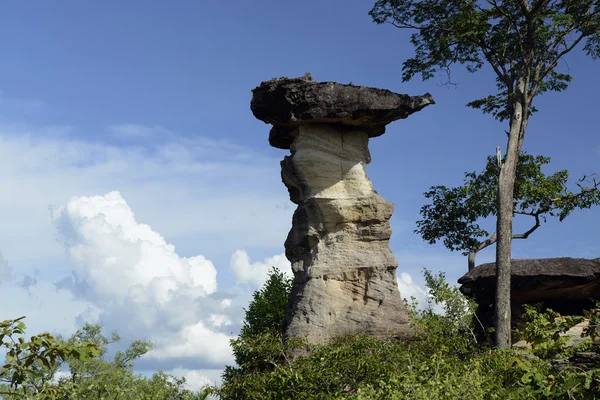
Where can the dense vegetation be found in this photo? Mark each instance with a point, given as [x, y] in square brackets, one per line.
[444, 361]
[31, 369]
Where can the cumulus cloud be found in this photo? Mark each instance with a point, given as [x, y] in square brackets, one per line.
[109, 249]
[256, 273]
[195, 341]
[197, 379]
[140, 283]
[187, 188]
[410, 289]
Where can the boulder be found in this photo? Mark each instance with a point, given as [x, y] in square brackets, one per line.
[344, 271]
[533, 280]
[564, 284]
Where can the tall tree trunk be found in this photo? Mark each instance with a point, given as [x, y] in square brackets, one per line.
[471, 259]
[506, 185]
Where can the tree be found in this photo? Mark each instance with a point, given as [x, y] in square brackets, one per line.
[522, 41]
[30, 365]
[260, 345]
[454, 213]
[98, 378]
[266, 311]
[31, 368]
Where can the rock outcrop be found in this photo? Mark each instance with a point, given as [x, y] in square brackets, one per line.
[563, 284]
[344, 270]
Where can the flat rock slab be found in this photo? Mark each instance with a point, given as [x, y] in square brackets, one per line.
[285, 103]
[534, 280]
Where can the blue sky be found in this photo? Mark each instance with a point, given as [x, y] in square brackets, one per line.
[151, 99]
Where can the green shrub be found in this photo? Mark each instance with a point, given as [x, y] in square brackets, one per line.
[30, 367]
[443, 361]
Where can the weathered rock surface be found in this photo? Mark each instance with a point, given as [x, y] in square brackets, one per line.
[345, 280]
[538, 280]
[287, 103]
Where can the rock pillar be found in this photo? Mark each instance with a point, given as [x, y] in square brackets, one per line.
[344, 270]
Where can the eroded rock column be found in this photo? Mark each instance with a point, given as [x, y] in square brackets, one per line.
[344, 271]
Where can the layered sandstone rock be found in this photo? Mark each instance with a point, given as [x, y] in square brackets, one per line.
[344, 270]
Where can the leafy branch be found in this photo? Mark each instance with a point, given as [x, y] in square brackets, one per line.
[454, 214]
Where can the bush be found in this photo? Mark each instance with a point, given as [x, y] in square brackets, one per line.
[443, 361]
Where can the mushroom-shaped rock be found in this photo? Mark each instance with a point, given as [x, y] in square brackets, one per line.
[344, 271]
[287, 103]
[563, 284]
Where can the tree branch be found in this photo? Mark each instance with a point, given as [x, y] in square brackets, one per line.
[512, 21]
[567, 49]
[488, 242]
[494, 63]
[524, 5]
[539, 4]
[525, 235]
[584, 190]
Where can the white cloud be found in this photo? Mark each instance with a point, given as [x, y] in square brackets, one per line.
[140, 283]
[184, 187]
[257, 273]
[226, 303]
[195, 341]
[408, 289]
[5, 270]
[114, 253]
[60, 374]
[197, 379]
[219, 320]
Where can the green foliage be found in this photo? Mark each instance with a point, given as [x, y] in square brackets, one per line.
[544, 331]
[31, 366]
[260, 345]
[363, 367]
[454, 213]
[521, 40]
[267, 308]
[455, 326]
[443, 360]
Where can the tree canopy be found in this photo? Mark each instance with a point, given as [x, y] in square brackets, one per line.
[522, 41]
[511, 36]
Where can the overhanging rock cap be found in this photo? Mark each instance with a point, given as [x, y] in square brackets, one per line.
[537, 279]
[286, 103]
